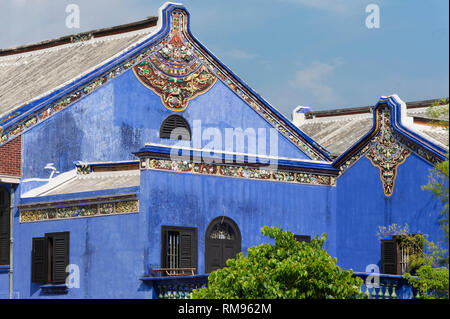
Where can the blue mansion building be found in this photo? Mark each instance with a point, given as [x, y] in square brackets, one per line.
[131, 156]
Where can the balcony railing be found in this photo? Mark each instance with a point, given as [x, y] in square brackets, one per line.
[385, 287]
[176, 287]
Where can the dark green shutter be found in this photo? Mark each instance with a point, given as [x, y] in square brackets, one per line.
[60, 256]
[188, 248]
[175, 123]
[389, 257]
[4, 226]
[39, 260]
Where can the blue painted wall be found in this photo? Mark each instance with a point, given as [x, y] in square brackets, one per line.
[362, 207]
[178, 199]
[4, 282]
[119, 118]
[109, 251]
[114, 252]
[109, 125]
[4, 269]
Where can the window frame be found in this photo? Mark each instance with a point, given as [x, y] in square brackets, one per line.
[194, 245]
[51, 273]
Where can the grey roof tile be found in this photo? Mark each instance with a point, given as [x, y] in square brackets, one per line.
[27, 76]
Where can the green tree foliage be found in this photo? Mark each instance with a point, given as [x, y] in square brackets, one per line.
[438, 182]
[433, 282]
[287, 269]
[438, 185]
[424, 259]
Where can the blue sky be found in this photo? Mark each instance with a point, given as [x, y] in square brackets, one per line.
[316, 53]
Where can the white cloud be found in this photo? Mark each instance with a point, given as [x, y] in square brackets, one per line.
[335, 6]
[311, 83]
[239, 54]
[28, 2]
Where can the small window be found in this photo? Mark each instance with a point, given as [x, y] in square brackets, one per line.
[303, 238]
[179, 249]
[396, 253]
[175, 127]
[50, 257]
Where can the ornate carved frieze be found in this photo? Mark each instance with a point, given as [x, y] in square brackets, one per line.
[173, 70]
[238, 171]
[176, 69]
[386, 152]
[78, 211]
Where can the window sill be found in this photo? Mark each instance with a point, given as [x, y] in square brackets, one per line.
[53, 289]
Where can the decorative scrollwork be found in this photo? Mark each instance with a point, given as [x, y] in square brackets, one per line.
[386, 152]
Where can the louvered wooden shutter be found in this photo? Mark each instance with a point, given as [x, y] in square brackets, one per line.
[39, 260]
[4, 236]
[4, 227]
[60, 256]
[177, 126]
[188, 248]
[389, 257]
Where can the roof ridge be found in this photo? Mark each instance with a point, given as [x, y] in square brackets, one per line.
[73, 38]
[4, 59]
[367, 109]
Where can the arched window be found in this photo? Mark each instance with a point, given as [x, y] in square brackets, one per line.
[175, 127]
[222, 242]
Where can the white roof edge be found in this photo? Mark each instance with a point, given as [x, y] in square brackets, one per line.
[51, 184]
[236, 153]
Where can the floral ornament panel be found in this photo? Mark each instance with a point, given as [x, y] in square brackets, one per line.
[79, 211]
[238, 171]
[173, 70]
[180, 61]
[223, 232]
[386, 152]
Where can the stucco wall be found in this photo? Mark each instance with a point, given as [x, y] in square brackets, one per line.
[108, 250]
[362, 207]
[119, 118]
[177, 199]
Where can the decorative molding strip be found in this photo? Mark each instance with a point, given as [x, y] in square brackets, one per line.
[203, 69]
[238, 171]
[79, 211]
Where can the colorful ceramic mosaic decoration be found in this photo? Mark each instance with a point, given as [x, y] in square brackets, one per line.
[79, 211]
[173, 70]
[386, 152]
[176, 69]
[238, 171]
